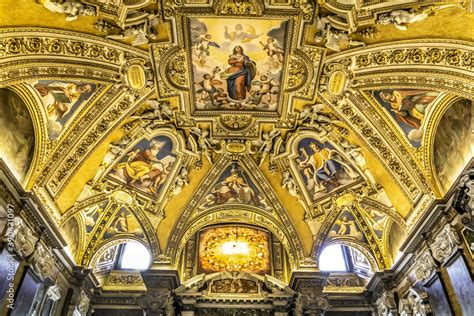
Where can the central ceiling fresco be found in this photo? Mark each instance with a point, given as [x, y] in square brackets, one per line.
[302, 123]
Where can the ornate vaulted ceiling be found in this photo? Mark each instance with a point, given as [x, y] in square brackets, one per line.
[328, 122]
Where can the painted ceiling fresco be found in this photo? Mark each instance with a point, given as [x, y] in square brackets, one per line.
[16, 133]
[323, 170]
[178, 123]
[408, 108]
[147, 165]
[238, 66]
[234, 248]
[61, 100]
[234, 186]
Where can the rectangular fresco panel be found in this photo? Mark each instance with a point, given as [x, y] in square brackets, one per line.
[234, 248]
[408, 108]
[61, 100]
[238, 64]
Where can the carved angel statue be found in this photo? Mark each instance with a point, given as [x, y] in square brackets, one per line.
[157, 113]
[355, 152]
[265, 145]
[114, 150]
[318, 119]
[336, 40]
[314, 113]
[400, 18]
[140, 34]
[181, 181]
[73, 9]
[205, 142]
[42, 261]
[289, 183]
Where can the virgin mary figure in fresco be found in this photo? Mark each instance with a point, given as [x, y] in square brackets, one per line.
[239, 75]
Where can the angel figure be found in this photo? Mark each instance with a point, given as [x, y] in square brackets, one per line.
[289, 183]
[273, 49]
[115, 149]
[201, 49]
[205, 142]
[355, 152]
[400, 18]
[336, 40]
[181, 181]
[73, 9]
[265, 145]
[157, 113]
[140, 34]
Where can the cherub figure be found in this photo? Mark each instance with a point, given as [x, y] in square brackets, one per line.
[73, 9]
[336, 40]
[201, 49]
[266, 85]
[207, 88]
[140, 34]
[265, 145]
[273, 49]
[289, 183]
[206, 144]
[221, 98]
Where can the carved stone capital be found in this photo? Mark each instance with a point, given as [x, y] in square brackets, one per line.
[424, 266]
[24, 240]
[42, 261]
[445, 243]
[386, 304]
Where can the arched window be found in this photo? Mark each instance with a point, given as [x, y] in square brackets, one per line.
[333, 258]
[342, 258]
[133, 255]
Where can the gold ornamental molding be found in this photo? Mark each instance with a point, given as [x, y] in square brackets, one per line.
[32, 53]
[69, 159]
[441, 64]
[178, 70]
[278, 217]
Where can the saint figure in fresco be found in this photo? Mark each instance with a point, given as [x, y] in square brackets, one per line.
[63, 96]
[239, 75]
[347, 227]
[323, 168]
[410, 106]
[233, 189]
[143, 165]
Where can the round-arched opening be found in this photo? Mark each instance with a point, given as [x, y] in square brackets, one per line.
[133, 255]
[343, 258]
[122, 255]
